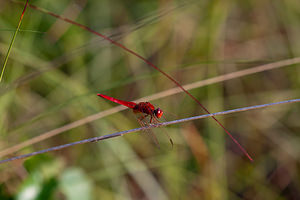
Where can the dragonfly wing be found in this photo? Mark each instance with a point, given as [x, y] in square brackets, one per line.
[148, 131]
[165, 132]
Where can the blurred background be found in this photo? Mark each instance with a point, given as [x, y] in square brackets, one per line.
[56, 69]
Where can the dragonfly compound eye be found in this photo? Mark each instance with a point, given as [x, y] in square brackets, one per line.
[158, 113]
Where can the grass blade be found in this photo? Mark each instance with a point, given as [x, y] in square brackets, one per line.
[12, 41]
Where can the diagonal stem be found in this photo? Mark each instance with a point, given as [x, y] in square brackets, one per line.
[104, 137]
[148, 63]
[12, 42]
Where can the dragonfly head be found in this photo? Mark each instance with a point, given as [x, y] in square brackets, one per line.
[158, 112]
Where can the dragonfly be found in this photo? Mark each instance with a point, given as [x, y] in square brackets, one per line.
[145, 108]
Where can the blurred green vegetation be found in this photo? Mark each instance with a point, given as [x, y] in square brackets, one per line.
[55, 71]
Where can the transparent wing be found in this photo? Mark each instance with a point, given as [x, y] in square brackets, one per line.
[143, 121]
[148, 132]
[155, 120]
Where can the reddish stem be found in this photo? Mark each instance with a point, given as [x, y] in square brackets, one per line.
[147, 62]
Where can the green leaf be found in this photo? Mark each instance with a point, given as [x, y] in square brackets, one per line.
[75, 185]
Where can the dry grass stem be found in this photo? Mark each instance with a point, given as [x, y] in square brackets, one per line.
[95, 139]
[159, 95]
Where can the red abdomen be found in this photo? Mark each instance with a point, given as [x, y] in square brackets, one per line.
[128, 104]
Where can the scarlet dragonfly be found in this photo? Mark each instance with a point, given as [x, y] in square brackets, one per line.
[146, 108]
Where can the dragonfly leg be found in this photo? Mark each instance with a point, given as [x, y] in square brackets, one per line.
[143, 117]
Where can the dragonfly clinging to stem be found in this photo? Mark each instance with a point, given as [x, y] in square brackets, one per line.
[145, 108]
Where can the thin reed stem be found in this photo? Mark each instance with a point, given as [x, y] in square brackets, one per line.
[117, 134]
[165, 93]
[150, 64]
[12, 41]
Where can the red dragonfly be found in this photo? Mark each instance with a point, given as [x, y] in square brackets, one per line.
[145, 108]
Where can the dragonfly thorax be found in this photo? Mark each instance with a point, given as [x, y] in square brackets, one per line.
[148, 108]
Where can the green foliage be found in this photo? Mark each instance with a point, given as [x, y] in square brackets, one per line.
[56, 69]
[75, 185]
